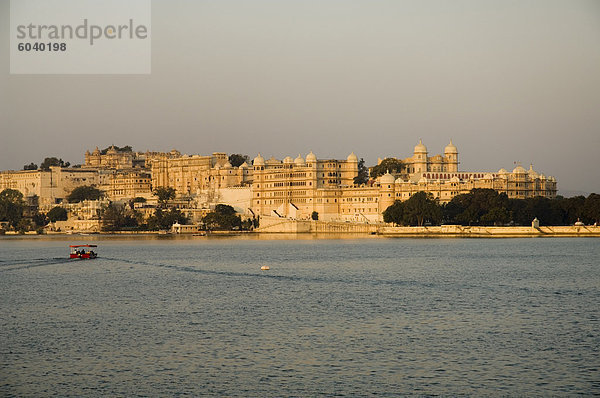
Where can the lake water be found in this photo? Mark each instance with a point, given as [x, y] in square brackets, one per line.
[374, 316]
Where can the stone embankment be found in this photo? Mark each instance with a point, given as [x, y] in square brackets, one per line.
[281, 225]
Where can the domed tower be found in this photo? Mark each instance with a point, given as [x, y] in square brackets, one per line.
[349, 170]
[420, 158]
[299, 161]
[288, 161]
[95, 158]
[451, 157]
[311, 160]
[387, 191]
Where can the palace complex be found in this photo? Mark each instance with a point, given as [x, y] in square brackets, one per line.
[289, 188]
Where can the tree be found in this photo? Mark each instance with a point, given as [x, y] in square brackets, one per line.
[164, 219]
[48, 162]
[57, 214]
[314, 216]
[363, 173]
[478, 207]
[592, 208]
[223, 217]
[126, 148]
[392, 165]
[40, 219]
[85, 192]
[115, 218]
[164, 194]
[572, 208]
[421, 207]
[30, 166]
[394, 213]
[236, 159]
[12, 206]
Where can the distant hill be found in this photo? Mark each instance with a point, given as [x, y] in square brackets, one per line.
[570, 194]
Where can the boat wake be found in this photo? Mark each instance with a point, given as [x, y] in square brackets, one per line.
[32, 263]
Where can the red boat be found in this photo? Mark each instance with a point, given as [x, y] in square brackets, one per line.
[79, 251]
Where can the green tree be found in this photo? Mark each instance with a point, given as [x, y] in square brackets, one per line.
[164, 219]
[116, 217]
[314, 216]
[573, 209]
[48, 162]
[223, 217]
[85, 192]
[421, 207]
[164, 194]
[12, 206]
[30, 166]
[363, 173]
[496, 216]
[392, 165]
[478, 207]
[39, 219]
[592, 208]
[57, 214]
[394, 213]
[237, 159]
[126, 148]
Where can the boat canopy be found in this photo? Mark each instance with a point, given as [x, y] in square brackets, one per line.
[83, 246]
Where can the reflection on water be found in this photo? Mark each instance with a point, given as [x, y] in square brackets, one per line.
[349, 317]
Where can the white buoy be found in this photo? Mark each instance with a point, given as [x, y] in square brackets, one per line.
[265, 268]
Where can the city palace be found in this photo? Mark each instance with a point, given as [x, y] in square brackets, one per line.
[296, 188]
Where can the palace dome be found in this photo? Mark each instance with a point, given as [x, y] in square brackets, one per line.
[450, 148]
[420, 148]
[299, 161]
[352, 158]
[502, 171]
[387, 178]
[519, 170]
[311, 157]
[532, 173]
[288, 160]
[259, 161]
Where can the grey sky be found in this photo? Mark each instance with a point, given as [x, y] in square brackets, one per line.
[506, 80]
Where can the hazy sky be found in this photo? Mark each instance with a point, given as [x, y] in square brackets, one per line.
[506, 80]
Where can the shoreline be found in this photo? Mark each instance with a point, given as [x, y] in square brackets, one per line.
[444, 231]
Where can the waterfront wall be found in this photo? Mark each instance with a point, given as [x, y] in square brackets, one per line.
[457, 230]
[282, 225]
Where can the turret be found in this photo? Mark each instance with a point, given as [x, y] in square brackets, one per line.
[420, 158]
[451, 157]
[387, 189]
